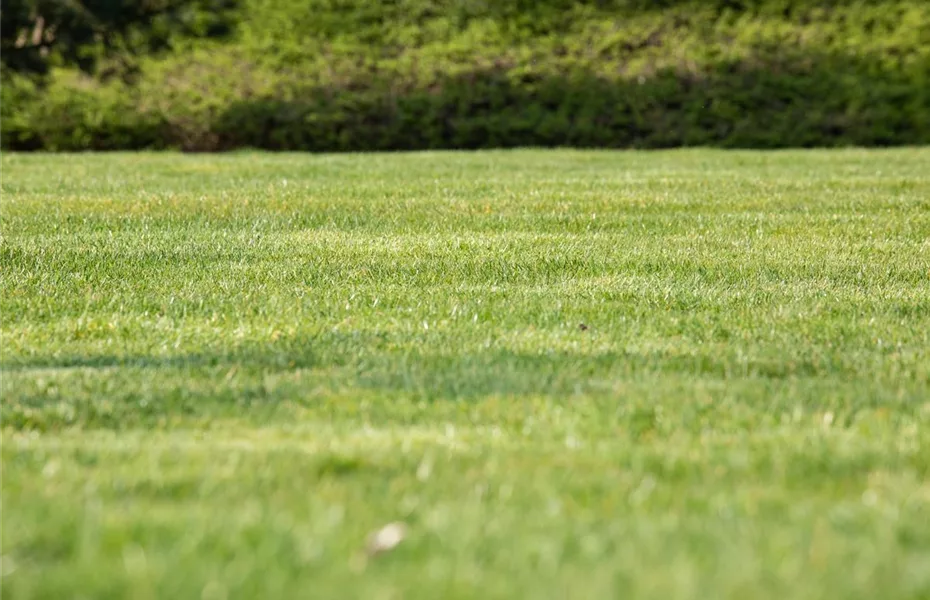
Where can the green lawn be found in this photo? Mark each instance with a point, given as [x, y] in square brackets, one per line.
[221, 373]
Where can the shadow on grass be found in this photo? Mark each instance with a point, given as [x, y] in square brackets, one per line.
[258, 381]
[383, 361]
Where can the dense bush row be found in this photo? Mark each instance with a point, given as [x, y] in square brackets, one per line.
[410, 74]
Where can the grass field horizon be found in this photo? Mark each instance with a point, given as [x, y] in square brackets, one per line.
[679, 374]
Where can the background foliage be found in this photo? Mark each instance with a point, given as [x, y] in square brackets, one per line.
[347, 75]
[37, 34]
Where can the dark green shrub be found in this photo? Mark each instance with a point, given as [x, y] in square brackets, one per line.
[341, 75]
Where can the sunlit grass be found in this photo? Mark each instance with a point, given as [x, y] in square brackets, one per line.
[220, 373]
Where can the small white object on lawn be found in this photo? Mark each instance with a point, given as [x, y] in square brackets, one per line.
[387, 538]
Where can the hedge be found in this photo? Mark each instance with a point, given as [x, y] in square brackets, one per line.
[357, 75]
